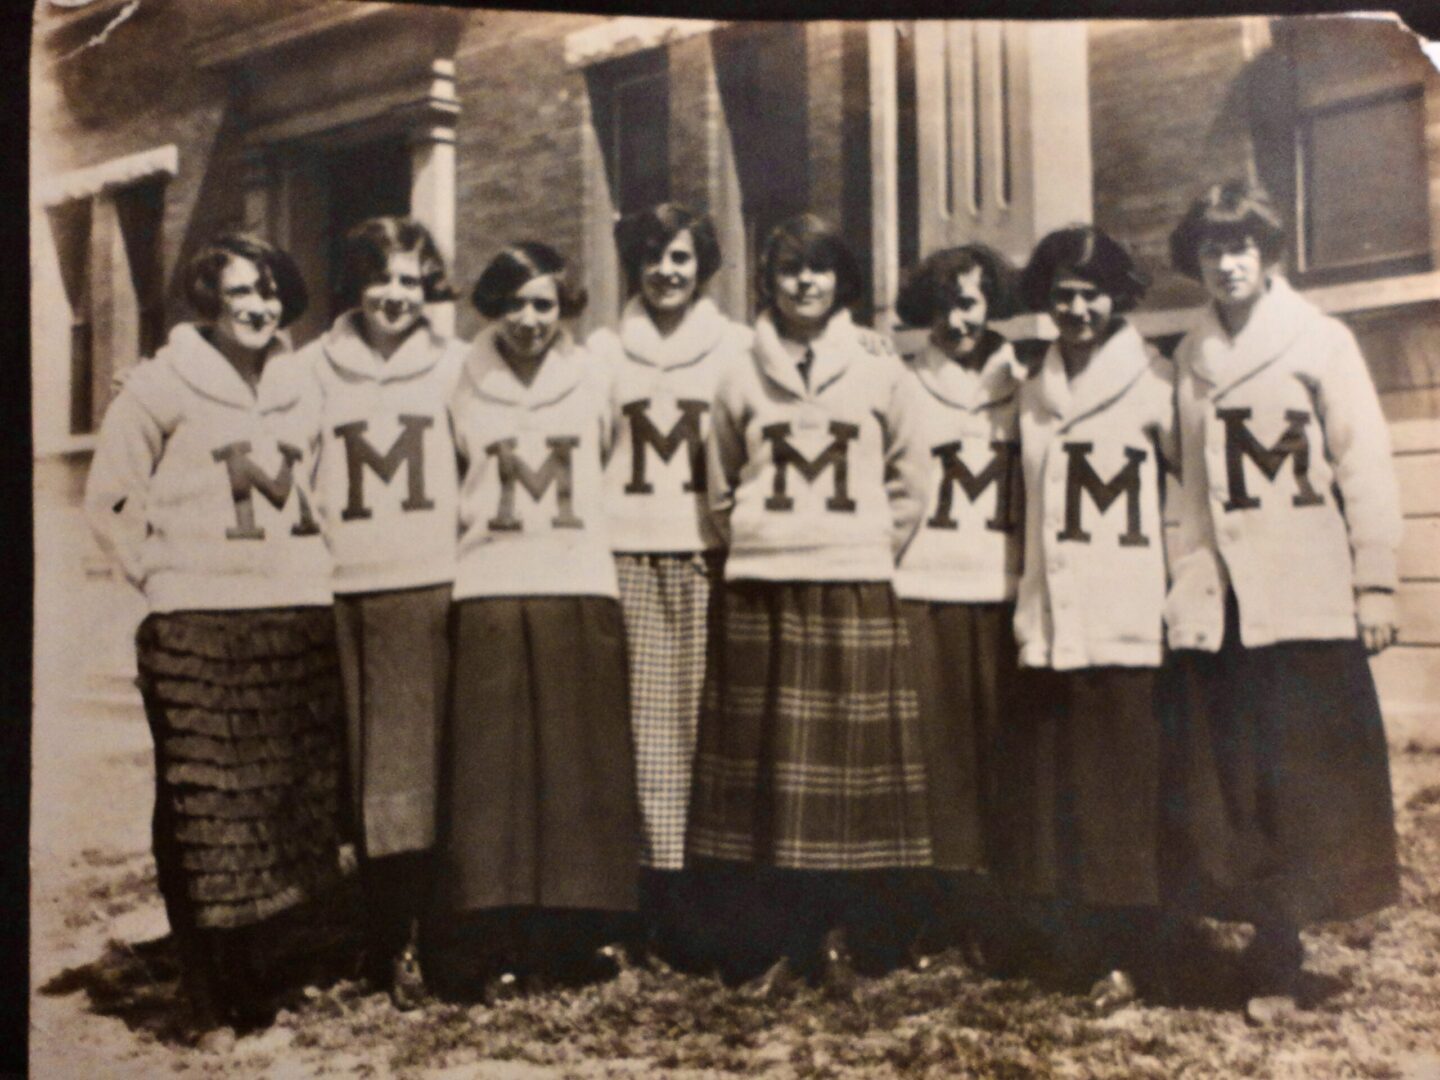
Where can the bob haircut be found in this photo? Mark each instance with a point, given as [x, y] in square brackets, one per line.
[279, 276]
[929, 288]
[1234, 210]
[368, 247]
[643, 236]
[815, 243]
[519, 263]
[1086, 252]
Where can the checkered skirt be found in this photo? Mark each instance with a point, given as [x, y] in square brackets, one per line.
[666, 601]
[810, 752]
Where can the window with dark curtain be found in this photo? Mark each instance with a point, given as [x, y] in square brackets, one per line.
[634, 128]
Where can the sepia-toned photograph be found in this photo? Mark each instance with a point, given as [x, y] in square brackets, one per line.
[574, 545]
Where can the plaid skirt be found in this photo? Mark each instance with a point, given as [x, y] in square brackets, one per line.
[1079, 787]
[666, 601]
[1278, 783]
[810, 754]
[538, 801]
[395, 659]
[966, 665]
[245, 710]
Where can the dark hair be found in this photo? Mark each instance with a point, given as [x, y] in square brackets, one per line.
[368, 247]
[1089, 253]
[1234, 210]
[817, 244]
[643, 236]
[518, 263]
[929, 287]
[279, 276]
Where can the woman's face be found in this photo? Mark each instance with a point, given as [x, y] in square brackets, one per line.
[804, 294]
[669, 283]
[957, 328]
[531, 318]
[1232, 269]
[250, 307]
[1081, 309]
[394, 301]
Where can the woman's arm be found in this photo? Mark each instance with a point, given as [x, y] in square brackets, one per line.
[905, 458]
[724, 454]
[129, 446]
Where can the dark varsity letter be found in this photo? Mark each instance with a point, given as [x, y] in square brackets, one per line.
[1000, 472]
[556, 470]
[246, 477]
[836, 456]
[408, 448]
[1241, 443]
[1081, 476]
[643, 432]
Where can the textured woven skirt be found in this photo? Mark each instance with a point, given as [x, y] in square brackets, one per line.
[1079, 787]
[1278, 783]
[245, 710]
[395, 659]
[810, 754]
[666, 601]
[966, 665]
[538, 803]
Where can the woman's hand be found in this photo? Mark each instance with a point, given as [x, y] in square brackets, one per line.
[1375, 615]
[874, 342]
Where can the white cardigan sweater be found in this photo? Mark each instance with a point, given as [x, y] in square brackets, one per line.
[1290, 495]
[200, 488]
[1092, 591]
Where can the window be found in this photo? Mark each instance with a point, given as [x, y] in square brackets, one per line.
[632, 114]
[108, 249]
[1360, 185]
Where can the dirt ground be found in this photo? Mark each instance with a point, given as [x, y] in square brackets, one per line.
[103, 993]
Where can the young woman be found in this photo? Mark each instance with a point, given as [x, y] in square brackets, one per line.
[198, 490]
[1283, 578]
[958, 577]
[665, 356]
[1082, 756]
[538, 787]
[810, 772]
[387, 492]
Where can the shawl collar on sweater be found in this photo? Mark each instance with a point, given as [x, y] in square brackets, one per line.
[346, 350]
[205, 370]
[994, 384]
[560, 372]
[834, 349]
[694, 339]
[1111, 372]
[1280, 316]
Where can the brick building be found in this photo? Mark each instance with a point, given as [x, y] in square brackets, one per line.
[158, 123]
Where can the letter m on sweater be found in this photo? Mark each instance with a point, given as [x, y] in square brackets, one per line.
[556, 470]
[953, 470]
[1241, 443]
[835, 457]
[408, 449]
[246, 478]
[643, 433]
[1082, 479]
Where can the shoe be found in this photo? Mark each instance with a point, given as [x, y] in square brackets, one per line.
[407, 982]
[502, 987]
[777, 982]
[838, 980]
[1266, 1010]
[1113, 992]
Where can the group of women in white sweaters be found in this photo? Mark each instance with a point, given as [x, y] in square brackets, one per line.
[760, 649]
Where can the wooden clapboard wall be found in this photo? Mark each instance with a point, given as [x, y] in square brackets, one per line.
[1409, 674]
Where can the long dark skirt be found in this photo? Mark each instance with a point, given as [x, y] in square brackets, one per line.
[965, 670]
[1079, 787]
[245, 709]
[538, 805]
[810, 753]
[1279, 800]
[395, 658]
